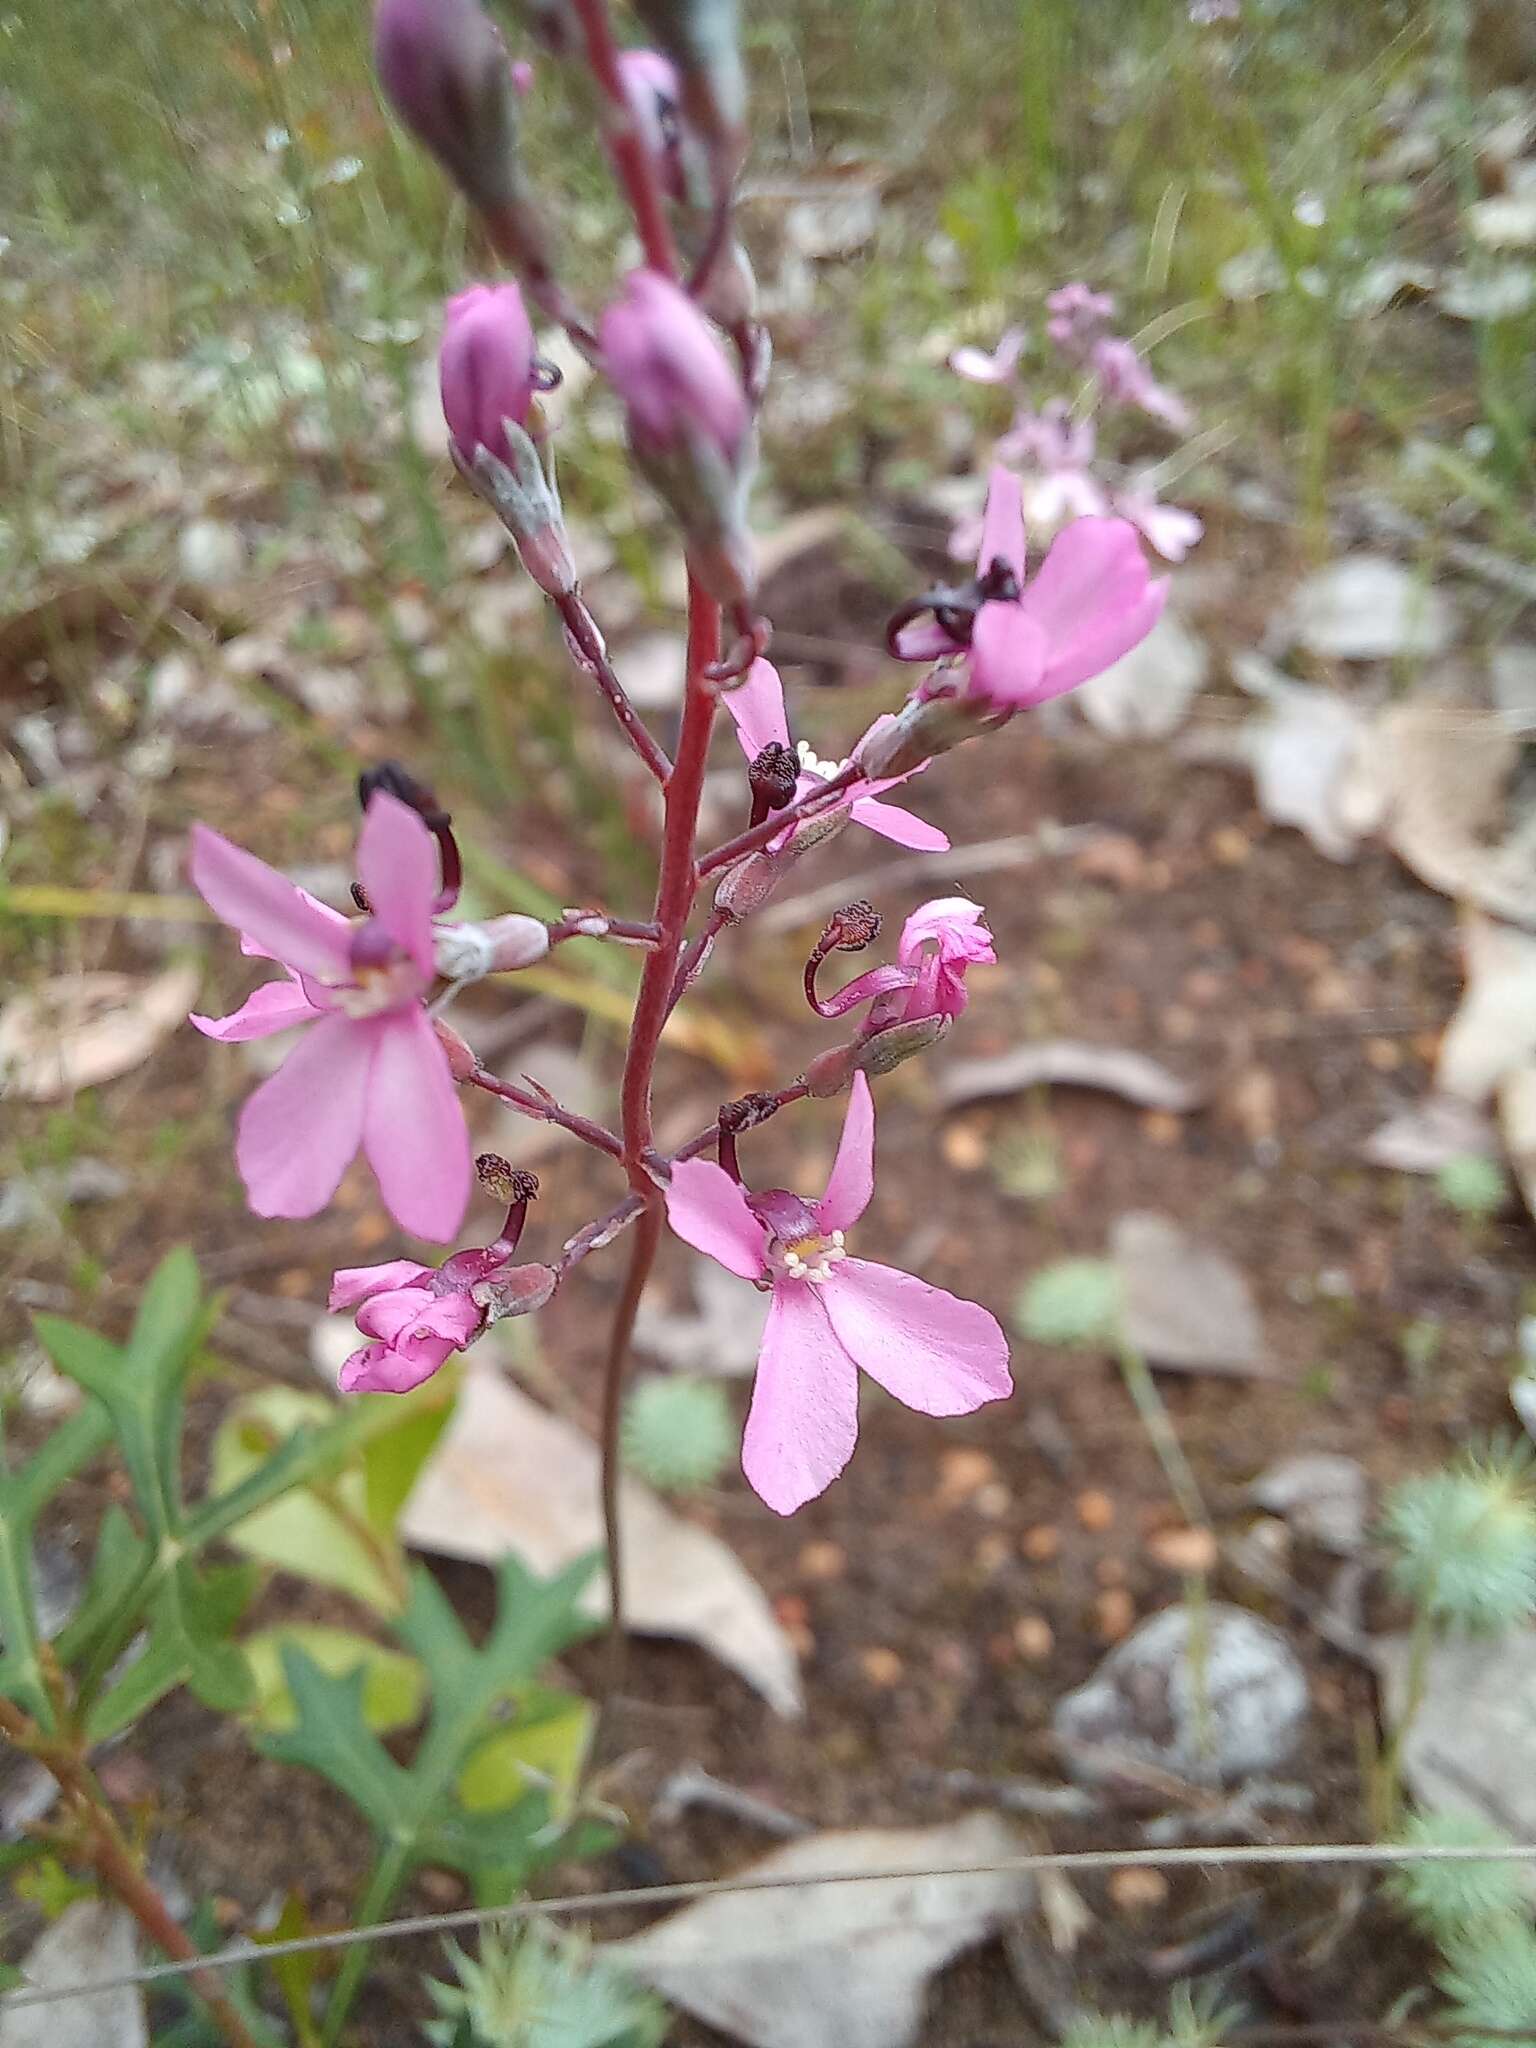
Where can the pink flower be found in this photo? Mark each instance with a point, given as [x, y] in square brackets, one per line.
[1077, 313]
[370, 1071]
[941, 940]
[655, 96]
[831, 1315]
[1125, 379]
[1168, 528]
[1090, 601]
[670, 371]
[977, 366]
[757, 709]
[416, 1326]
[485, 368]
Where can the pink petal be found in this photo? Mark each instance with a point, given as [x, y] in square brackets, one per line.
[978, 367]
[352, 1284]
[402, 1311]
[852, 1179]
[1103, 643]
[904, 827]
[923, 640]
[341, 926]
[414, 1131]
[804, 1418]
[299, 1131]
[1002, 526]
[932, 1351]
[254, 898]
[275, 1006]
[709, 1211]
[397, 866]
[1092, 567]
[758, 710]
[376, 1369]
[1009, 652]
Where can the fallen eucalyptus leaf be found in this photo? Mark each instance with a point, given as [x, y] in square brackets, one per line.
[1444, 772]
[1470, 1745]
[723, 1338]
[835, 1965]
[1184, 1305]
[89, 1940]
[1068, 1063]
[1307, 750]
[1423, 1137]
[1365, 608]
[1493, 1032]
[509, 1476]
[1147, 693]
[79, 1030]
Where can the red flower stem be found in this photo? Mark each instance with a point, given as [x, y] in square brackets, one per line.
[114, 1862]
[548, 1112]
[759, 835]
[587, 640]
[694, 953]
[637, 174]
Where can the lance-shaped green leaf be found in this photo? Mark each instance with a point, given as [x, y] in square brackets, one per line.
[23, 1494]
[186, 1643]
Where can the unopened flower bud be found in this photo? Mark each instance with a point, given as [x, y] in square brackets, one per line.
[516, 941]
[774, 775]
[523, 498]
[462, 1062]
[703, 39]
[485, 369]
[514, 1291]
[445, 71]
[898, 1042]
[922, 728]
[831, 1071]
[505, 1182]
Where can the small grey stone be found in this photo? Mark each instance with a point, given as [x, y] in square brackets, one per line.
[1212, 1696]
[1322, 1494]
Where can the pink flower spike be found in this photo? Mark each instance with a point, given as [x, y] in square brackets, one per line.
[1125, 379]
[832, 1314]
[977, 366]
[485, 368]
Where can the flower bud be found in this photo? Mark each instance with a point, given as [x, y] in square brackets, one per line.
[444, 68]
[923, 727]
[514, 1291]
[702, 37]
[516, 941]
[897, 1042]
[462, 1062]
[831, 1071]
[654, 94]
[485, 369]
[671, 373]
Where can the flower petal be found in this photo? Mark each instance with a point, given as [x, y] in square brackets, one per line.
[256, 899]
[341, 926]
[709, 1211]
[1093, 567]
[1002, 525]
[413, 1313]
[757, 708]
[397, 866]
[414, 1131]
[852, 1179]
[931, 1350]
[804, 1418]
[352, 1284]
[1102, 645]
[275, 1006]
[923, 640]
[299, 1132]
[376, 1369]
[1009, 651]
[979, 366]
[904, 827]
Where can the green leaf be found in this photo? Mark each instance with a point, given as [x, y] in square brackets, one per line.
[392, 1463]
[121, 1560]
[547, 1745]
[331, 1735]
[22, 1495]
[189, 1617]
[324, 1535]
[394, 1686]
[295, 1974]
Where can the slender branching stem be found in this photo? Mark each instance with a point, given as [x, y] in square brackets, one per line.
[822, 797]
[545, 1110]
[592, 652]
[631, 158]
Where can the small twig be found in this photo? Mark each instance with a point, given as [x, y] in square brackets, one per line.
[822, 798]
[593, 654]
[694, 1787]
[545, 1110]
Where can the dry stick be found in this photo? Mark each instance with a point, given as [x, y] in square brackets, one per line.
[588, 642]
[114, 1862]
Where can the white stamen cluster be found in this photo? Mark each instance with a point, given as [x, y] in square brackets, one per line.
[812, 1258]
[812, 763]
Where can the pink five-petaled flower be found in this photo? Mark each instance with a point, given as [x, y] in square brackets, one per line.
[831, 1315]
[1090, 601]
[1170, 529]
[415, 1326]
[941, 940]
[757, 708]
[370, 1070]
[1077, 314]
[485, 368]
[1125, 379]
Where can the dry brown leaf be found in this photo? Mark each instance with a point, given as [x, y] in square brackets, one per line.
[1184, 1305]
[1444, 772]
[835, 1965]
[1307, 750]
[1493, 1032]
[1365, 608]
[79, 1030]
[509, 1476]
[1069, 1063]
